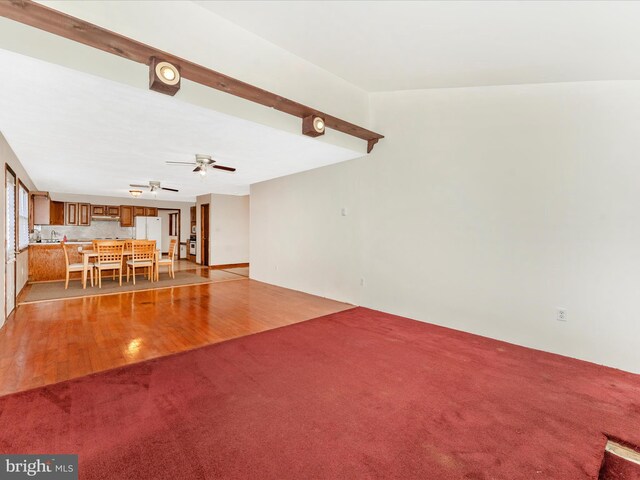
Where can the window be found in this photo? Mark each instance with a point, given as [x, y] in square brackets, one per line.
[23, 216]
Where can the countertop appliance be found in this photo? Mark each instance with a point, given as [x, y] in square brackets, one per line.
[149, 228]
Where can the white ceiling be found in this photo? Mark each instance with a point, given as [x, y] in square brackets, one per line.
[396, 45]
[76, 133]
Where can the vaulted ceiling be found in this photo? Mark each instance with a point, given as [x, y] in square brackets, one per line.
[396, 45]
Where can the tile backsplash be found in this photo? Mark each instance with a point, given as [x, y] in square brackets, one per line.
[97, 229]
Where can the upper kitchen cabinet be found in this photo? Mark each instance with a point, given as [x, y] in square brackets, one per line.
[126, 216]
[71, 214]
[150, 212]
[41, 209]
[98, 210]
[113, 210]
[56, 213]
[84, 214]
[138, 211]
[46, 211]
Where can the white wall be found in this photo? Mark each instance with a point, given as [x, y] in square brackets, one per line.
[8, 157]
[228, 228]
[484, 209]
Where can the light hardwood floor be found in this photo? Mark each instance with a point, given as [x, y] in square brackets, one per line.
[49, 342]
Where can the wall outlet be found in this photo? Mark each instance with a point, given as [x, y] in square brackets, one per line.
[344, 212]
[362, 282]
[561, 314]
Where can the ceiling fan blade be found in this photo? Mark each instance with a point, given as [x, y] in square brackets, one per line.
[170, 189]
[197, 169]
[180, 163]
[138, 186]
[222, 167]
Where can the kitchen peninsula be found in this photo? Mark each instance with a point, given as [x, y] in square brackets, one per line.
[47, 263]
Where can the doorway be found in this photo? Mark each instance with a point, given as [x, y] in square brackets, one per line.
[10, 243]
[170, 218]
[204, 234]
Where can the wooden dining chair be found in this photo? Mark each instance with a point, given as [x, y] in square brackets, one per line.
[142, 253]
[74, 267]
[169, 261]
[109, 258]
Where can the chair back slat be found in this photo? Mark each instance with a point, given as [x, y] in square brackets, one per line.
[109, 252]
[172, 248]
[66, 254]
[142, 250]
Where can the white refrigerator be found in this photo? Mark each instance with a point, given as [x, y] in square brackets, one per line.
[149, 228]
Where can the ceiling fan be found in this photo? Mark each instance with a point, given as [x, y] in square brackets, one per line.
[202, 162]
[154, 187]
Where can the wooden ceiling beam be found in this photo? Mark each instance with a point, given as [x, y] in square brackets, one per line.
[53, 21]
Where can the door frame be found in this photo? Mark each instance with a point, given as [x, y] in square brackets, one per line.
[179, 229]
[9, 171]
[204, 208]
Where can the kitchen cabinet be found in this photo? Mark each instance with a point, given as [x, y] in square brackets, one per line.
[98, 210]
[84, 214]
[138, 211]
[71, 214]
[126, 216]
[41, 205]
[150, 212]
[56, 213]
[113, 210]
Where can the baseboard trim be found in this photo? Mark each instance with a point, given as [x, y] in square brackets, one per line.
[228, 265]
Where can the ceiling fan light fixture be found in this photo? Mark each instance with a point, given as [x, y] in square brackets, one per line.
[202, 171]
[135, 193]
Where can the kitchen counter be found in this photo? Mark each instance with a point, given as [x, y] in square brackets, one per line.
[58, 242]
[46, 261]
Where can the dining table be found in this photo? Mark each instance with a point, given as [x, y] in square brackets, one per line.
[88, 253]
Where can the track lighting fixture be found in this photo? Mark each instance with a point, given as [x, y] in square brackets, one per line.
[313, 126]
[164, 77]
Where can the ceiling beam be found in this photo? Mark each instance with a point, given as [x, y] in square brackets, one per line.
[53, 21]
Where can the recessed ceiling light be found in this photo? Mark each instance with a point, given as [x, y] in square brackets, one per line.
[135, 193]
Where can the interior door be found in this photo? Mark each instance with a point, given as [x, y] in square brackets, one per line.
[204, 234]
[10, 242]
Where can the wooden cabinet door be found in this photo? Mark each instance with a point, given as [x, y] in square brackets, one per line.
[192, 214]
[41, 210]
[126, 216]
[84, 214]
[150, 212]
[56, 213]
[138, 211]
[98, 210]
[113, 211]
[71, 214]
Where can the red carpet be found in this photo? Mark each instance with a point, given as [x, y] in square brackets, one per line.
[358, 394]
